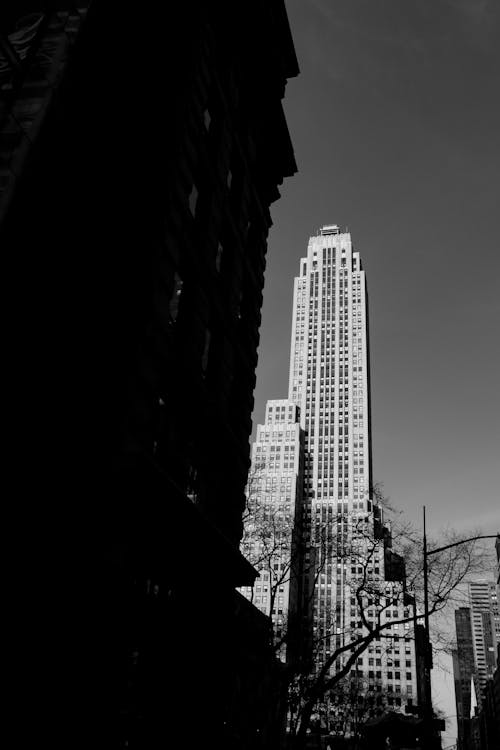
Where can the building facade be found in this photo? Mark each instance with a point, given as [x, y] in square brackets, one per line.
[343, 538]
[274, 502]
[330, 381]
[475, 666]
[485, 619]
[329, 371]
[142, 147]
[497, 550]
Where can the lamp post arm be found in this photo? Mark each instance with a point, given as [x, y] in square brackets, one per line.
[462, 541]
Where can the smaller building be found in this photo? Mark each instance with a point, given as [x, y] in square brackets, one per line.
[271, 540]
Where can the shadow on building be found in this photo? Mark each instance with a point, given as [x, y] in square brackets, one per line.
[486, 725]
[141, 147]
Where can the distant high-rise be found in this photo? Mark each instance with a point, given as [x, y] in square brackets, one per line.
[475, 660]
[497, 549]
[485, 620]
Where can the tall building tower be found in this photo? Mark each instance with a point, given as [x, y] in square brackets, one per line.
[330, 381]
[329, 371]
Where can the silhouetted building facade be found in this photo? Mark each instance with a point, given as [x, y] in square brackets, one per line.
[474, 668]
[134, 223]
[464, 676]
[489, 716]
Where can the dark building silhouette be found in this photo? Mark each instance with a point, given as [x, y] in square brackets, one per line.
[489, 715]
[141, 147]
[464, 673]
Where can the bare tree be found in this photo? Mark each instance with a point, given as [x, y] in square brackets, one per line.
[353, 701]
[381, 591]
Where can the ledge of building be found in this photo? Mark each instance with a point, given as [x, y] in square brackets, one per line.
[155, 530]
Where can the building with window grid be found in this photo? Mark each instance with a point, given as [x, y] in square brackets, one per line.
[485, 622]
[475, 666]
[329, 370]
[330, 382]
[274, 502]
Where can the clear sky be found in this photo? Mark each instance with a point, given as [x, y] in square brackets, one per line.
[395, 120]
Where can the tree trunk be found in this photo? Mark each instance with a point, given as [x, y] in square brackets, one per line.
[299, 741]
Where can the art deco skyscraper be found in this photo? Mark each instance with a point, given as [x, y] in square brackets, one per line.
[330, 383]
[329, 372]
[318, 472]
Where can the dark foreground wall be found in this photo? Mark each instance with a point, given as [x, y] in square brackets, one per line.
[141, 146]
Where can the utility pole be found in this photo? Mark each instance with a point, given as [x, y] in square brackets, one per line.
[428, 713]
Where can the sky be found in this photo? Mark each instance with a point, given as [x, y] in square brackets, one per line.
[395, 122]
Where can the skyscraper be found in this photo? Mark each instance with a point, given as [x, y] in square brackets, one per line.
[329, 382]
[329, 372]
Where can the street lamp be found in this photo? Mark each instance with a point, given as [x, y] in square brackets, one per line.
[428, 655]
